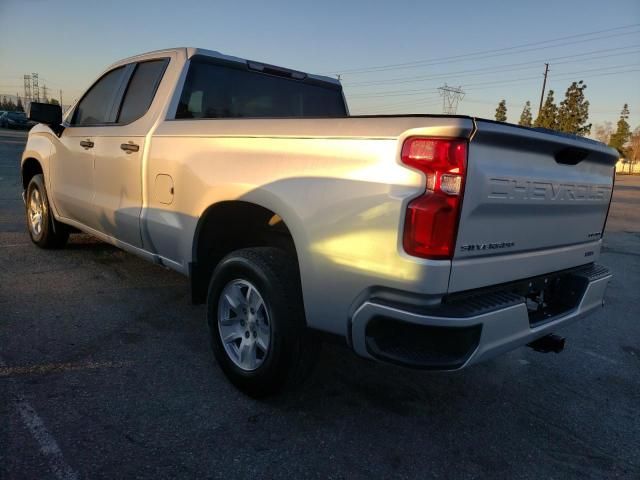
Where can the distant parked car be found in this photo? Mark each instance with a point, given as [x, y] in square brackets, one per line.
[16, 120]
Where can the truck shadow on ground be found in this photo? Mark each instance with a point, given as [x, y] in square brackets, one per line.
[365, 415]
[386, 387]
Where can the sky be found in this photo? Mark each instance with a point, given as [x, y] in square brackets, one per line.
[391, 55]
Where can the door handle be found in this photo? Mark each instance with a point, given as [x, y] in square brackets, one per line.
[129, 147]
[87, 144]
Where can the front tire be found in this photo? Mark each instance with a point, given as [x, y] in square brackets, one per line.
[256, 321]
[44, 230]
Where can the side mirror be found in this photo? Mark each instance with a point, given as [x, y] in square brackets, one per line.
[48, 114]
[45, 113]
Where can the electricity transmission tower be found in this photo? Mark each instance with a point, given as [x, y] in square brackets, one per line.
[35, 89]
[451, 96]
[44, 93]
[27, 89]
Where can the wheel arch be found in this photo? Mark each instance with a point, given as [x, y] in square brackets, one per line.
[244, 224]
[30, 167]
[37, 154]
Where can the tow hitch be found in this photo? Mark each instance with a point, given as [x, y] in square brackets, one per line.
[548, 343]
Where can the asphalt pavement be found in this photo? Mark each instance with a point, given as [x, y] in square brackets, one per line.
[106, 372]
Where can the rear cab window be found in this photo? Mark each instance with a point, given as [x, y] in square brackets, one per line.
[214, 90]
[141, 90]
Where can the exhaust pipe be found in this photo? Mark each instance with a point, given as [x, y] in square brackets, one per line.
[549, 343]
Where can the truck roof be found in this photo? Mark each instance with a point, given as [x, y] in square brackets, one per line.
[193, 51]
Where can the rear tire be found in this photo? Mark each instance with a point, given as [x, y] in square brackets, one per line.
[256, 321]
[44, 230]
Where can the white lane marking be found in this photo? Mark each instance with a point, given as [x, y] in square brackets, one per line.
[598, 356]
[48, 445]
[15, 245]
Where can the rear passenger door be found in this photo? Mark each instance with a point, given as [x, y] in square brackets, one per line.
[118, 151]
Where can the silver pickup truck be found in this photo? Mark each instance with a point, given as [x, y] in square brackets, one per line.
[428, 241]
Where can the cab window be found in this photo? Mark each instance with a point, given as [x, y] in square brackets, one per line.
[141, 90]
[95, 106]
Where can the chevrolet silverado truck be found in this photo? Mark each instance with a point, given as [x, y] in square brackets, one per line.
[430, 241]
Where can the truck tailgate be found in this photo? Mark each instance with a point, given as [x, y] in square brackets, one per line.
[534, 202]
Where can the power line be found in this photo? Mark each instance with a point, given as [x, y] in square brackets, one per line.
[494, 84]
[565, 76]
[399, 93]
[407, 106]
[499, 68]
[429, 97]
[393, 106]
[486, 102]
[484, 53]
[422, 90]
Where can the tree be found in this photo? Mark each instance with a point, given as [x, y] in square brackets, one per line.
[574, 111]
[501, 111]
[603, 132]
[526, 117]
[53, 101]
[548, 115]
[622, 133]
[9, 105]
[19, 106]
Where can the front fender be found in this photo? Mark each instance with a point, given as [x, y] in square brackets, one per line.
[39, 147]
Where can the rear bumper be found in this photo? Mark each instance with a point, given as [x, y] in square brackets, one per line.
[470, 329]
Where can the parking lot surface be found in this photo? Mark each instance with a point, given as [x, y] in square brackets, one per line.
[106, 372]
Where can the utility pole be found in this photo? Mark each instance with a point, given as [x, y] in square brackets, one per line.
[44, 93]
[450, 98]
[544, 85]
[60, 98]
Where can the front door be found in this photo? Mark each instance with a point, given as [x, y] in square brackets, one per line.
[73, 166]
[72, 176]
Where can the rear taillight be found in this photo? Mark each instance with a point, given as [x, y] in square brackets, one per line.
[431, 222]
